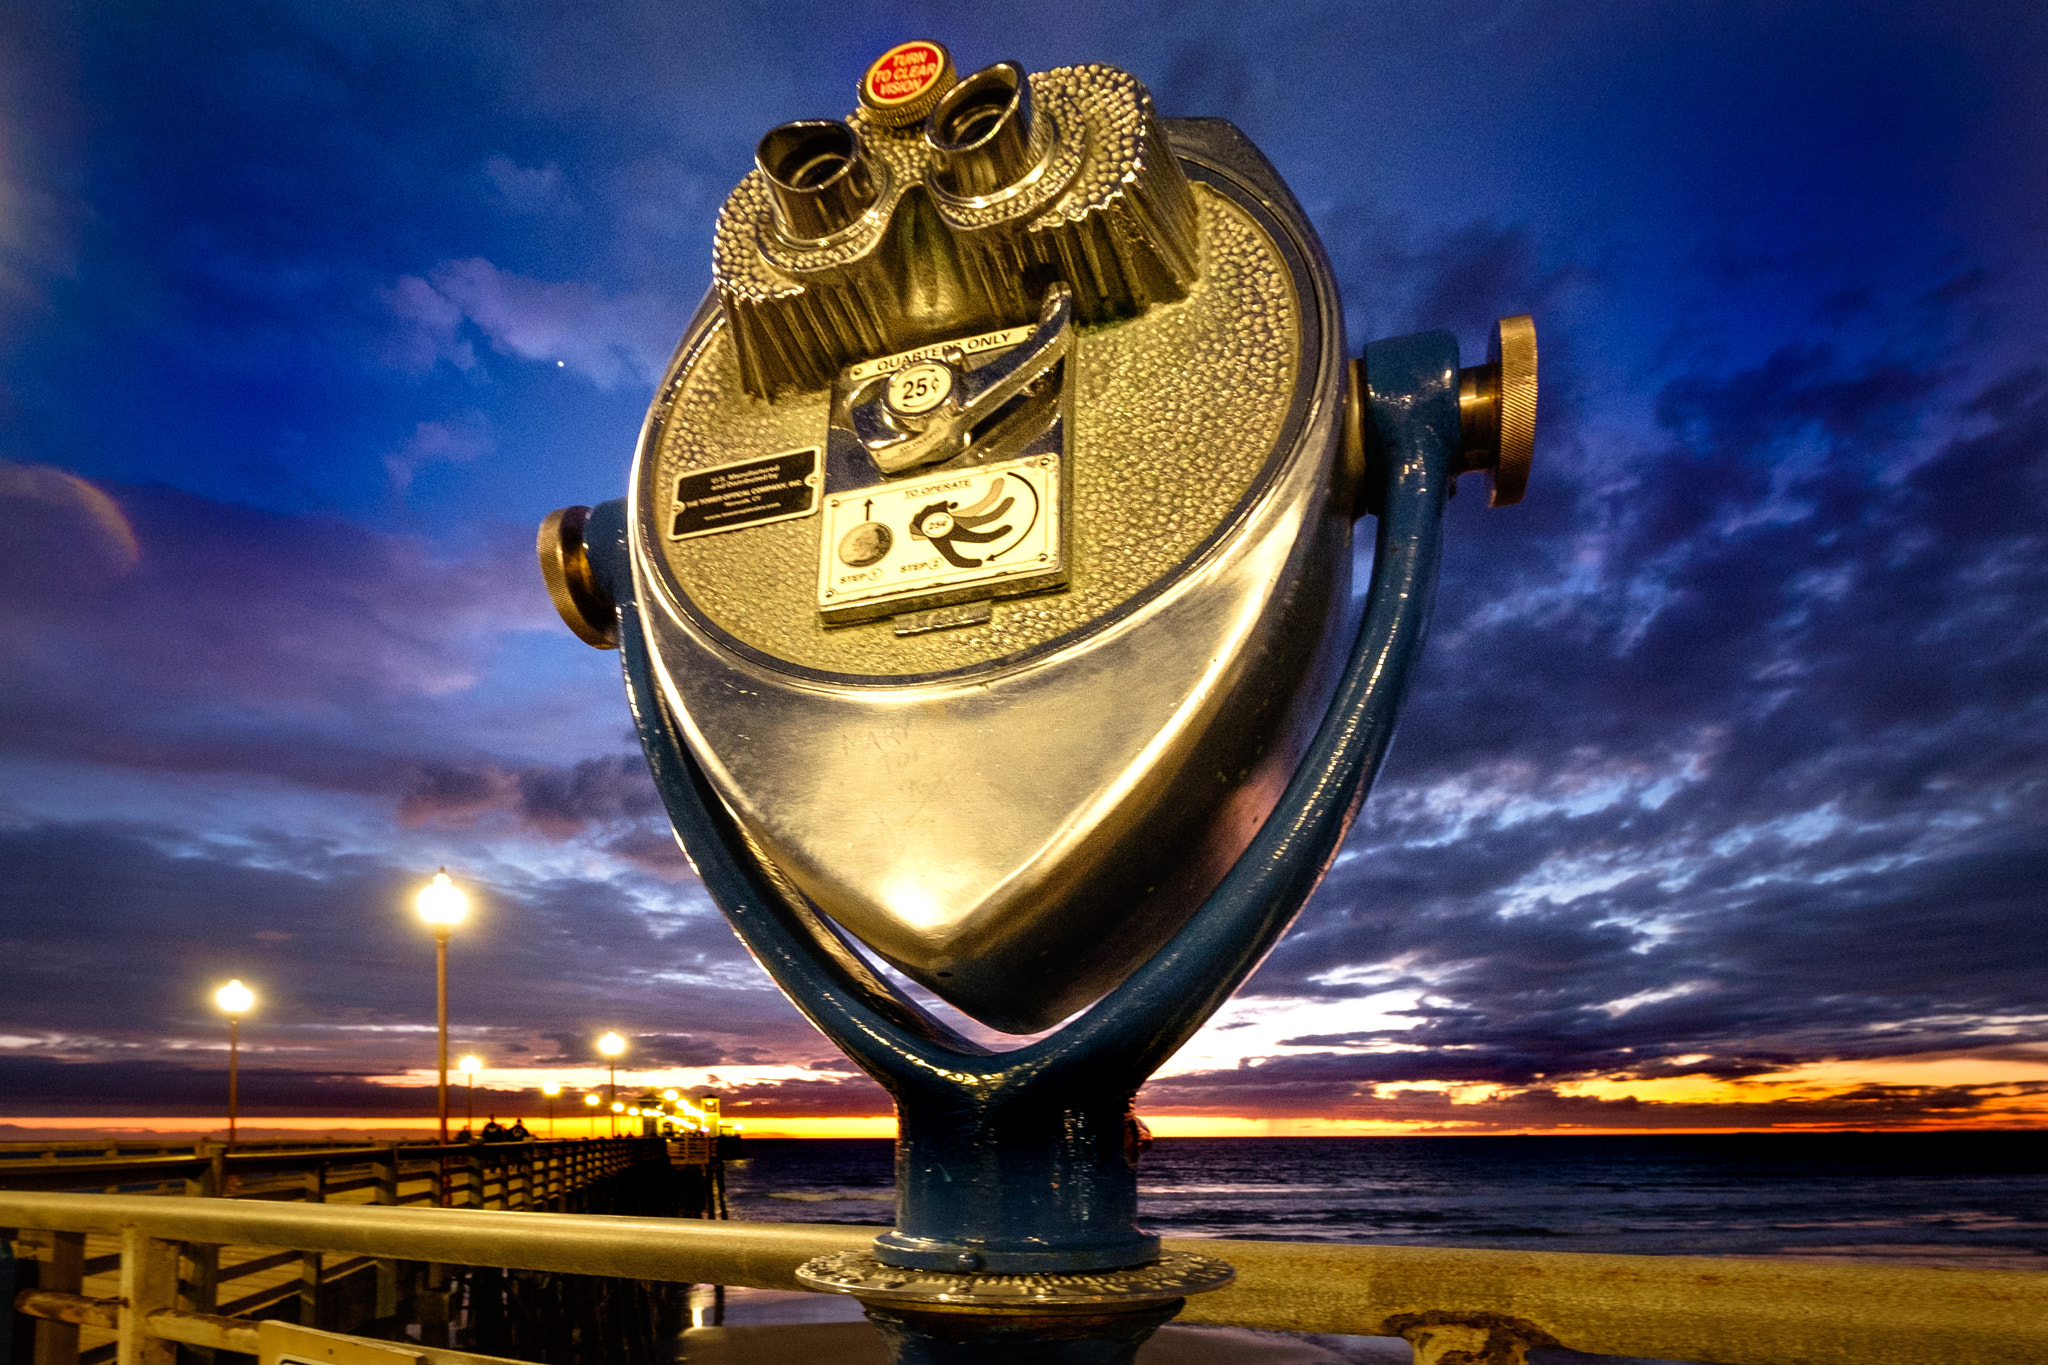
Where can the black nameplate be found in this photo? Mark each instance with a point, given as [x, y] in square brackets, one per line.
[729, 497]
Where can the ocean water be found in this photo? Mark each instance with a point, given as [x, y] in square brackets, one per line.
[1941, 1199]
[1976, 1199]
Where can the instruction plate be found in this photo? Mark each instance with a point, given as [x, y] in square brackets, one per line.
[985, 531]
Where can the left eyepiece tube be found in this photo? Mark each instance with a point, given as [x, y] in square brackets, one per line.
[818, 177]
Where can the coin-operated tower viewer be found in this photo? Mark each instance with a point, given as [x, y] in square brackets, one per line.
[985, 593]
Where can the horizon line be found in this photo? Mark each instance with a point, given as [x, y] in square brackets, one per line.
[48, 1127]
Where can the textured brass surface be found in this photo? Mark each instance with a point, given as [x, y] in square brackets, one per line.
[1176, 413]
[1016, 815]
[1108, 211]
[1175, 1275]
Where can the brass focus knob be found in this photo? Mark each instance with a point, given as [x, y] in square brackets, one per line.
[586, 608]
[1497, 410]
[905, 82]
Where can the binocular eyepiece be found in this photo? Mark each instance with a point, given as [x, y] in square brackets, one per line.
[983, 140]
[985, 134]
[985, 591]
[819, 177]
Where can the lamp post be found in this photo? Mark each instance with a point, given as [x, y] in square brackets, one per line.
[442, 905]
[470, 1066]
[611, 1045]
[592, 1101]
[551, 1089]
[236, 999]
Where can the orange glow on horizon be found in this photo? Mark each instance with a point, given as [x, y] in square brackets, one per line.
[1811, 1097]
[884, 1126]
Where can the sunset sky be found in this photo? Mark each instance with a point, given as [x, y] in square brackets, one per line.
[1722, 796]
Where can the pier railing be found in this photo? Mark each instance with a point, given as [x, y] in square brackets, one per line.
[235, 1280]
[532, 1174]
[1450, 1304]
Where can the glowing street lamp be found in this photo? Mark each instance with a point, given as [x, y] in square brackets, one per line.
[551, 1089]
[442, 905]
[470, 1066]
[236, 999]
[592, 1101]
[611, 1045]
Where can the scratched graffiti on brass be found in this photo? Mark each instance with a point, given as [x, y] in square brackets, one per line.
[1177, 412]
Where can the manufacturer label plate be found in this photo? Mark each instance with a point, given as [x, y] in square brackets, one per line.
[969, 533]
[730, 497]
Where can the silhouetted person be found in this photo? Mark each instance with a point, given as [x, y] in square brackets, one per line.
[494, 1131]
[517, 1132]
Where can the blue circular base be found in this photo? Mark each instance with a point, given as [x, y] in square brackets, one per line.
[919, 1253]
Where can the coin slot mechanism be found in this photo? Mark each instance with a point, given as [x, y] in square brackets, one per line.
[926, 411]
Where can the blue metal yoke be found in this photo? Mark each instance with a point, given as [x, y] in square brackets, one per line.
[1017, 1162]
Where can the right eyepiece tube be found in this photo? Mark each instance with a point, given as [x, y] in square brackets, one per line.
[818, 177]
[983, 130]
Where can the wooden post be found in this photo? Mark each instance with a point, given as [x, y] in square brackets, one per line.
[60, 1267]
[431, 1303]
[202, 1183]
[199, 1290]
[309, 1261]
[149, 1282]
[386, 1192]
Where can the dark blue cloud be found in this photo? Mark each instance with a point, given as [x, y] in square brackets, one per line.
[1727, 753]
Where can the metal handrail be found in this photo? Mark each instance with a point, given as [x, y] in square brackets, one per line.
[1737, 1312]
[218, 1164]
[89, 1147]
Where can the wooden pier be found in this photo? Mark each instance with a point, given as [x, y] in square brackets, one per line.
[57, 1276]
[123, 1277]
